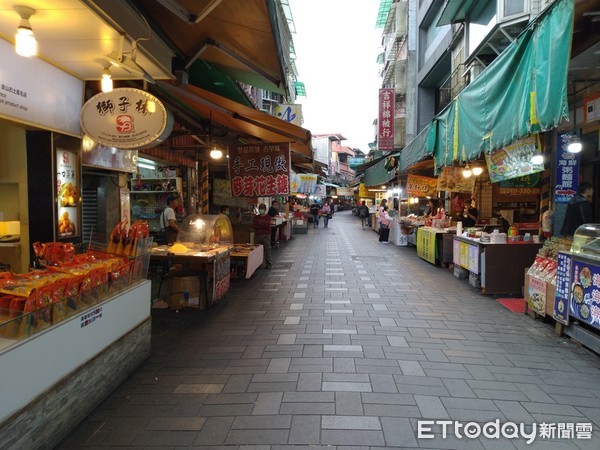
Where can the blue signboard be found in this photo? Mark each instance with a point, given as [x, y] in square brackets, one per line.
[561, 299]
[567, 169]
[585, 292]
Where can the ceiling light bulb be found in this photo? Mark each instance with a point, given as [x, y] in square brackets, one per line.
[467, 172]
[575, 145]
[215, 153]
[477, 170]
[537, 159]
[25, 43]
[107, 82]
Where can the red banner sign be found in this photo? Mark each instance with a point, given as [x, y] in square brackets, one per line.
[385, 135]
[260, 170]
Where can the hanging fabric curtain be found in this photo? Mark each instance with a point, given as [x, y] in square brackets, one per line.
[523, 91]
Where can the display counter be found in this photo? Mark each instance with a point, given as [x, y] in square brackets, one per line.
[498, 268]
[245, 259]
[435, 245]
[53, 379]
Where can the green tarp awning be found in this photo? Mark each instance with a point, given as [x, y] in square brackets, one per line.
[523, 91]
[378, 174]
[419, 148]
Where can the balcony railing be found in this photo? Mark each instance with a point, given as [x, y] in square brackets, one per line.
[453, 85]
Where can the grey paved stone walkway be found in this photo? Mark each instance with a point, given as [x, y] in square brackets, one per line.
[346, 343]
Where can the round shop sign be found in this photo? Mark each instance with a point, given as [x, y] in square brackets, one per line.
[126, 118]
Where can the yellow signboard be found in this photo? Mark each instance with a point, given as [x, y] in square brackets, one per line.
[426, 244]
[420, 186]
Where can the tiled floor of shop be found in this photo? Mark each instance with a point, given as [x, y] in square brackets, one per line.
[346, 343]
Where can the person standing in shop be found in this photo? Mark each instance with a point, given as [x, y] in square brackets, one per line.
[326, 212]
[314, 212]
[380, 210]
[168, 220]
[274, 212]
[384, 226]
[579, 210]
[469, 217]
[262, 233]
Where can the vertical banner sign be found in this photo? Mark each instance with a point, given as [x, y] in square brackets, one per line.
[260, 170]
[67, 193]
[561, 299]
[385, 135]
[567, 170]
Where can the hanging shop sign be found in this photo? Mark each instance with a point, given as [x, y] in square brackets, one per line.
[345, 192]
[385, 135]
[585, 292]
[304, 183]
[126, 118]
[35, 92]
[451, 180]
[67, 193]
[420, 186]
[320, 190]
[260, 170]
[363, 192]
[289, 113]
[567, 170]
[514, 160]
[591, 108]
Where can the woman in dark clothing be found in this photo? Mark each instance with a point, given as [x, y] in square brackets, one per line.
[579, 210]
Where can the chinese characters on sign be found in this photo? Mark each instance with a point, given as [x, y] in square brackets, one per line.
[385, 135]
[90, 317]
[67, 193]
[567, 170]
[260, 170]
[304, 183]
[426, 244]
[561, 299]
[420, 186]
[126, 118]
[514, 160]
[451, 180]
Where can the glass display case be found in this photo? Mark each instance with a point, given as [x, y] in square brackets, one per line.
[203, 231]
[586, 241]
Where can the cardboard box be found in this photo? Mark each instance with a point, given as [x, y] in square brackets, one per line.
[184, 292]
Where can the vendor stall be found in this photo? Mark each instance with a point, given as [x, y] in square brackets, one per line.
[498, 268]
[245, 259]
[202, 249]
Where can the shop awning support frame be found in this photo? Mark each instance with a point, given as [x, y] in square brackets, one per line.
[233, 55]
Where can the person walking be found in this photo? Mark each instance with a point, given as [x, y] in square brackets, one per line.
[314, 211]
[579, 210]
[384, 226]
[363, 213]
[326, 212]
[262, 234]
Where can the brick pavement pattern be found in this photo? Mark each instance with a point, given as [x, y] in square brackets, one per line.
[345, 344]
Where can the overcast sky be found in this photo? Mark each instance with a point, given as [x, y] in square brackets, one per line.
[336, 46]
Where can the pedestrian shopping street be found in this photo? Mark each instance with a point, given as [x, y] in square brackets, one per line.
[346, 343]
